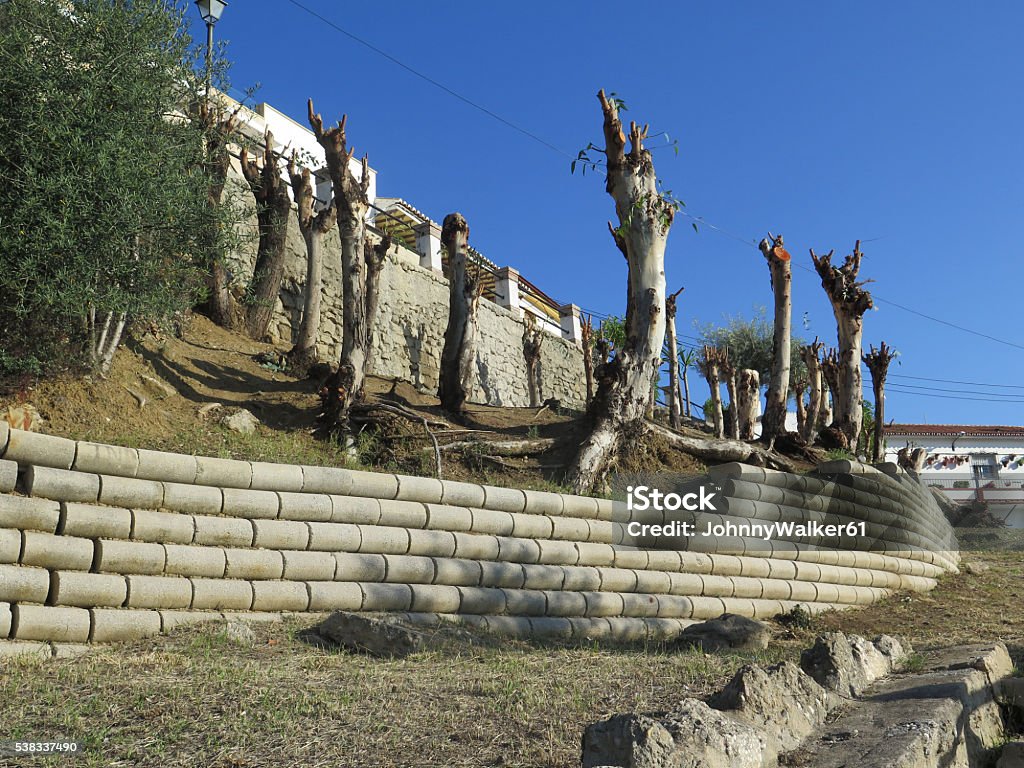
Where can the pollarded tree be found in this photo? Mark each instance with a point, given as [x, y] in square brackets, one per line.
[748, 402]
[533, 338]
[687, 357]
[877, 361]
[458, 358]
[830, 379]
[313, 225]
[587, 339]
[672, 353]
[361, 263]
[810, 354]
[728, 371]
[708, 364]
[800, 386]
[645, 216]
[849, 302]
[774, 422]
[273, 207]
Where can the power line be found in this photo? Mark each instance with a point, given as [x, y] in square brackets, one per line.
[894, 390]
[954, 381]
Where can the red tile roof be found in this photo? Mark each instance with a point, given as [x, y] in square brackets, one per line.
[969, 430]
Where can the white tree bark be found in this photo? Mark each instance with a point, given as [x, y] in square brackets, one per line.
[779, 266]
[732, 427]
[810, 353]
[708, 365]
[458, 358]
[748, 402]
[675, 405]
[645, 217]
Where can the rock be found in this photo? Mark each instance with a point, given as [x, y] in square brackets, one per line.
[781, 700]
[1012, 755]
[206, 410]
[727, 632]
[24, 417]
[364, 634]
[693, 735]
[848, 665]
[239, 633]
[975, 569]
[242, 422]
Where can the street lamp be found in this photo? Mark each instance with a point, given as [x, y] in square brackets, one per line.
[952, 446]
[210, 12]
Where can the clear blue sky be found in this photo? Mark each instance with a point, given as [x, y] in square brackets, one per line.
[897, 123]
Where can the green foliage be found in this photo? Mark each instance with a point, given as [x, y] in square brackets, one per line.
[750, 344]
[613, 330]
[103, 204]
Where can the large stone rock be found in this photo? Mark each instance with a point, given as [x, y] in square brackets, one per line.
[242, 421]
[693, 735]
[726, 633]
[849, 664]
[365, 634]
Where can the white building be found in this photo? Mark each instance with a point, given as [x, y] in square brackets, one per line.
[969, 463]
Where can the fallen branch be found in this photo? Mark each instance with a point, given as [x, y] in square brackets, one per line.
[506, 448]
[137, 396]
[722, 450]
[397, 410]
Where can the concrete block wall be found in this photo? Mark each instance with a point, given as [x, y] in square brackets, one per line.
[102, 543]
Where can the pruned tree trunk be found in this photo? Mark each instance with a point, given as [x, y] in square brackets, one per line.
[105, 340]
[675, 405]
[774, 422]
[375, 256]
[458, 359]
[911, 459]
[799, 390]
[533, 337]
[313, 225]
[877, 361]
[748, 403]
[708, 365]
[825, 409]
[273, 206]
[587, 338]
[849, 302]
[810, 354]
[358, 302]
[686, 389]
[645, 217]
[728, 370]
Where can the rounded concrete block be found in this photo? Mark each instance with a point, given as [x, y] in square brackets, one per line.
[221, 594]
[223, 531]
[707, 607]
[801, 591]
[5, 618]
[92, 522]
[579, 506]
[256, 564]
[504, 499]
[494, 522]
[617, 579]
[355, 509]
[19, 584]
[604, 531]
[45, 550]
[773, 589]
[193, 499]
[717, 586]
[747, 587]
[403, 514]
[383, 540]
[409, 569]
[386, 597]
[195, 561]
[159, 592]
[33, 448]
[5, 435]
[240, 502]
[377, 485]
[603, 603]
[631, 558]
[61, 485]
[577, 579]
[551, 626]
[518, 550]
[594, 554]
[432, 543]
[435, 598]
[334, 596]
[565, 603]
[653, 582]
[457, 572]
[507, 626]
[171, 620]
[29, 514]
[36, 622]
[10, 545]
[336, 537]
[446, 518]
[606, 510]
[106, 459]
[166, 467]
[162, 527]
[674, 607]
[458, 494]
[129, 557]
[525, 602]
[726, 565]
[639, 605]
[316, 507]
[572, 529]
[330, 480]
[481, 600]
[309, 566]
[276, 477]
[685, 584]
[280, 534]
[111, 625]
[663, 560]
[427, 490]
[557, 552]
[531, 526]
[505, 575]
[472, 546]
[543, 503]
[543, 577]
[8, 475]
[223, 473]
[352, 566]
[280, 596]
[87, 590]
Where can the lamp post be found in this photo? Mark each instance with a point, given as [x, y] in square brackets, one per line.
[210, 12]
[952, 445]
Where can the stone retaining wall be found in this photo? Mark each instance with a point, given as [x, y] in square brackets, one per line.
[103, 543]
